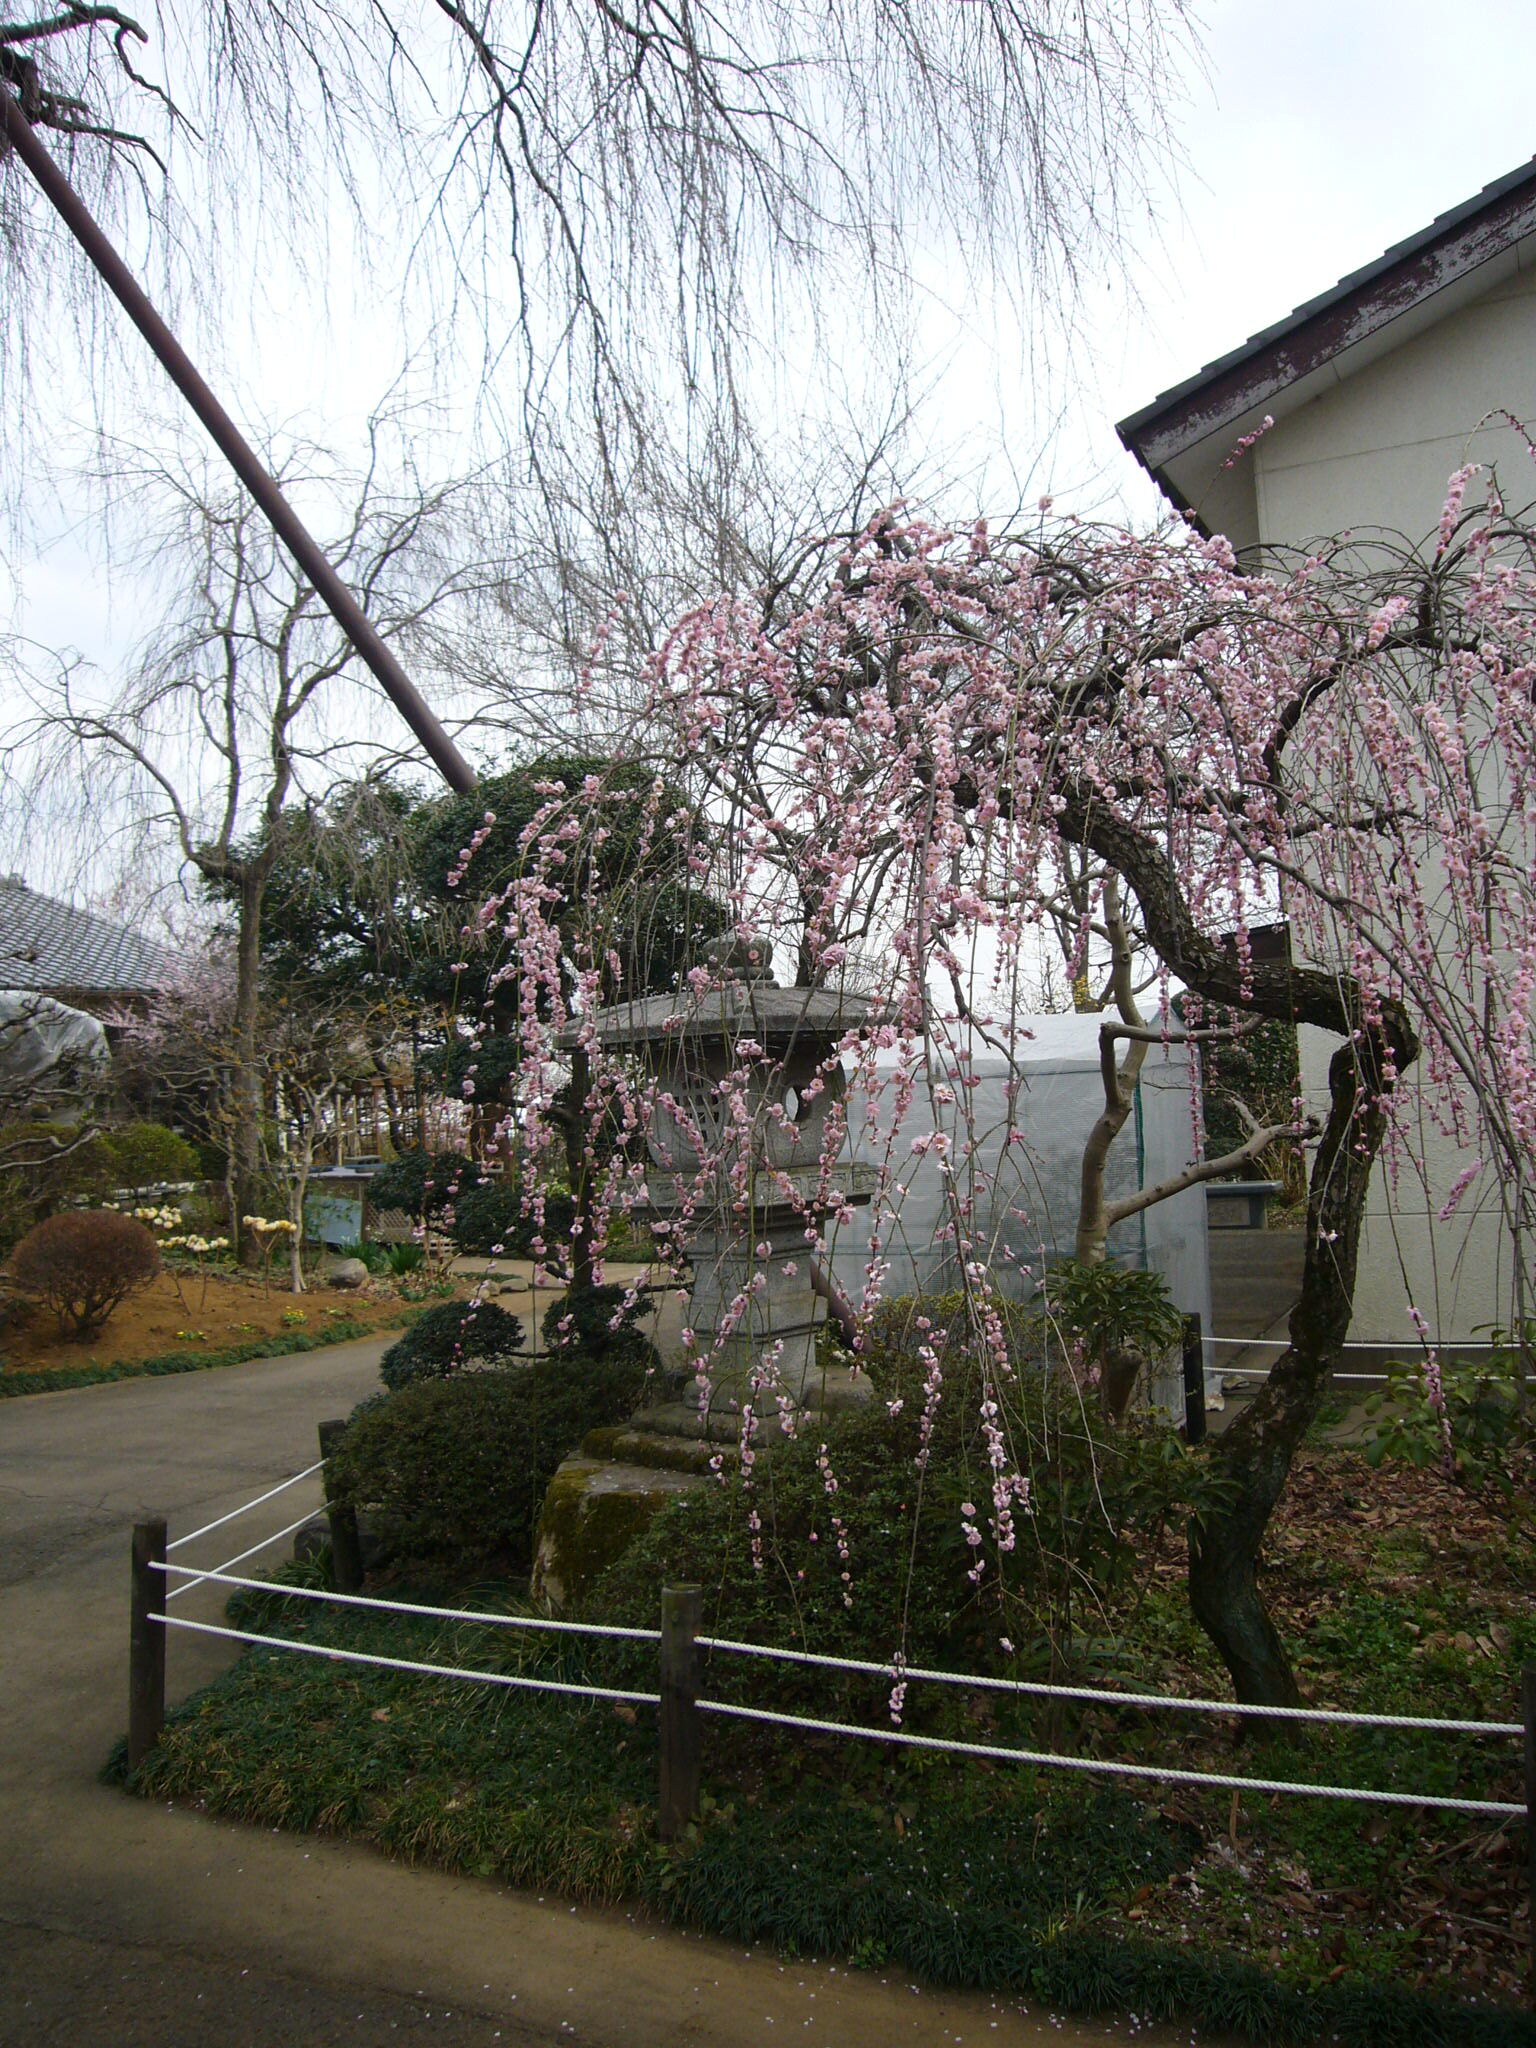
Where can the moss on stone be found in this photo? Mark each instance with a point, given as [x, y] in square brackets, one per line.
[592, 1512]
[632, 1445]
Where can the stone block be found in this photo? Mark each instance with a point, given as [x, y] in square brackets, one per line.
[592, 1512]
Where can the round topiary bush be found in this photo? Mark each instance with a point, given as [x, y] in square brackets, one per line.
[452, 1472]
[83, 1265]
[448, 1339]
[418, 1181]
[489, 1221]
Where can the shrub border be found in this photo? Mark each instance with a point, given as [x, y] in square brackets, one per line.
[60, 1379]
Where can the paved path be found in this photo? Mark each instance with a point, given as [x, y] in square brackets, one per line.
[123, 1922]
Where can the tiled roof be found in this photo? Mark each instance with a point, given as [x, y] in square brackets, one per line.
[1408, 275]
[48, 945]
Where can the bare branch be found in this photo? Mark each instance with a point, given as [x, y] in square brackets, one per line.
[1210, 1169]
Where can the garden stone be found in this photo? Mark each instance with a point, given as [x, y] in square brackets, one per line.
[346, 1273]
[593, 1511]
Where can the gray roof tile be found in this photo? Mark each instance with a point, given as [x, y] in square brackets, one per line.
[48, 945]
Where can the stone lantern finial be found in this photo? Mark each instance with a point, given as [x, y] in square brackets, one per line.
[746, 956]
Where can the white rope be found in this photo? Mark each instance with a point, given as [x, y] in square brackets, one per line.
[591, 1692]
[579, 1628]
[196, 1577]
[1281, 1344]
[1262, 1372]
[270, 1494]
[903, 1672]
[1079, 1763]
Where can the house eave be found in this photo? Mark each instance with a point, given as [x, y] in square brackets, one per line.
[1413, 276]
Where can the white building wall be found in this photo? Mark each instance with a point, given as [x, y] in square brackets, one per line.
[1372, 455]
[1375, 450]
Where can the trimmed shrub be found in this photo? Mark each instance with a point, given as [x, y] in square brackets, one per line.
[913, 1477]
[482, 1213]
[416, 1181]
[449, 1339]
[489, 1220]
[145, 1154]
[585, 1322]
[84, 1264]
[452, 1472]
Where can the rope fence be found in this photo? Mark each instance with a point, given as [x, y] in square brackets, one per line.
[196, 1577]
[1217, 1780]
[340, 1656]
[1280, 1345]
[680, 1651]
[679, 1642]
[235, 1513]
[974, 1682]
[334, 1599]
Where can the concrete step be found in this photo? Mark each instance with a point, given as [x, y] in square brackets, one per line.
[834, 1392]
[630, 1444]
[680, 1421]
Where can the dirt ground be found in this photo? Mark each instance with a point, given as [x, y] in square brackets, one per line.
[188, 1312]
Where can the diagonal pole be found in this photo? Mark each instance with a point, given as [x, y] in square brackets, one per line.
[263, 487]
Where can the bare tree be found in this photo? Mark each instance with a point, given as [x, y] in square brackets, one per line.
[586, 193]
[246, 696]
[315, 1053]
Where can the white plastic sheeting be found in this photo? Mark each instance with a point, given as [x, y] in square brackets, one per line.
[48, 1048]
[1031, 1116]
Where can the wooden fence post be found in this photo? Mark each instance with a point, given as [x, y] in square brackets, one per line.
[678, 1794]
[346, 1545]
[1194, 1381]
[1528, 1715]
[146, 1640]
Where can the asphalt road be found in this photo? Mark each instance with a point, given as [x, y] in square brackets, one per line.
[123, 1922]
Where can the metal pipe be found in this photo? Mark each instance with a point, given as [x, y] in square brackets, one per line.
[290, 529]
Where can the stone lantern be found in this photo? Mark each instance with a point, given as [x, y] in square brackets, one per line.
[741, 1194]
[745, 1220]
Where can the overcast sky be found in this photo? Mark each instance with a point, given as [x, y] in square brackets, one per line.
[1324, 131]
[1329, 129]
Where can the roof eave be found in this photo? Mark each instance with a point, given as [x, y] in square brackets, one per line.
[1410, 274]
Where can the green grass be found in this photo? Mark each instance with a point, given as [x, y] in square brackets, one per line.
[1015, 1881]
[59, 1379]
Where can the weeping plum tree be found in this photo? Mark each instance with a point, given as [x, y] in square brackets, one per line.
[899, 764]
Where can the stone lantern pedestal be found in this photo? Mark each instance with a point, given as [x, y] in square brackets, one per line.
[737, 1167]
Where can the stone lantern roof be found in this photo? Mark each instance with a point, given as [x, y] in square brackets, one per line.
[747, 1004]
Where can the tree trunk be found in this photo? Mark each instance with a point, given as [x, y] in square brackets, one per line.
[245, 1137]
[578, 1168]
[1257, 1452]
[1092, 1243]
[1379, 1046]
